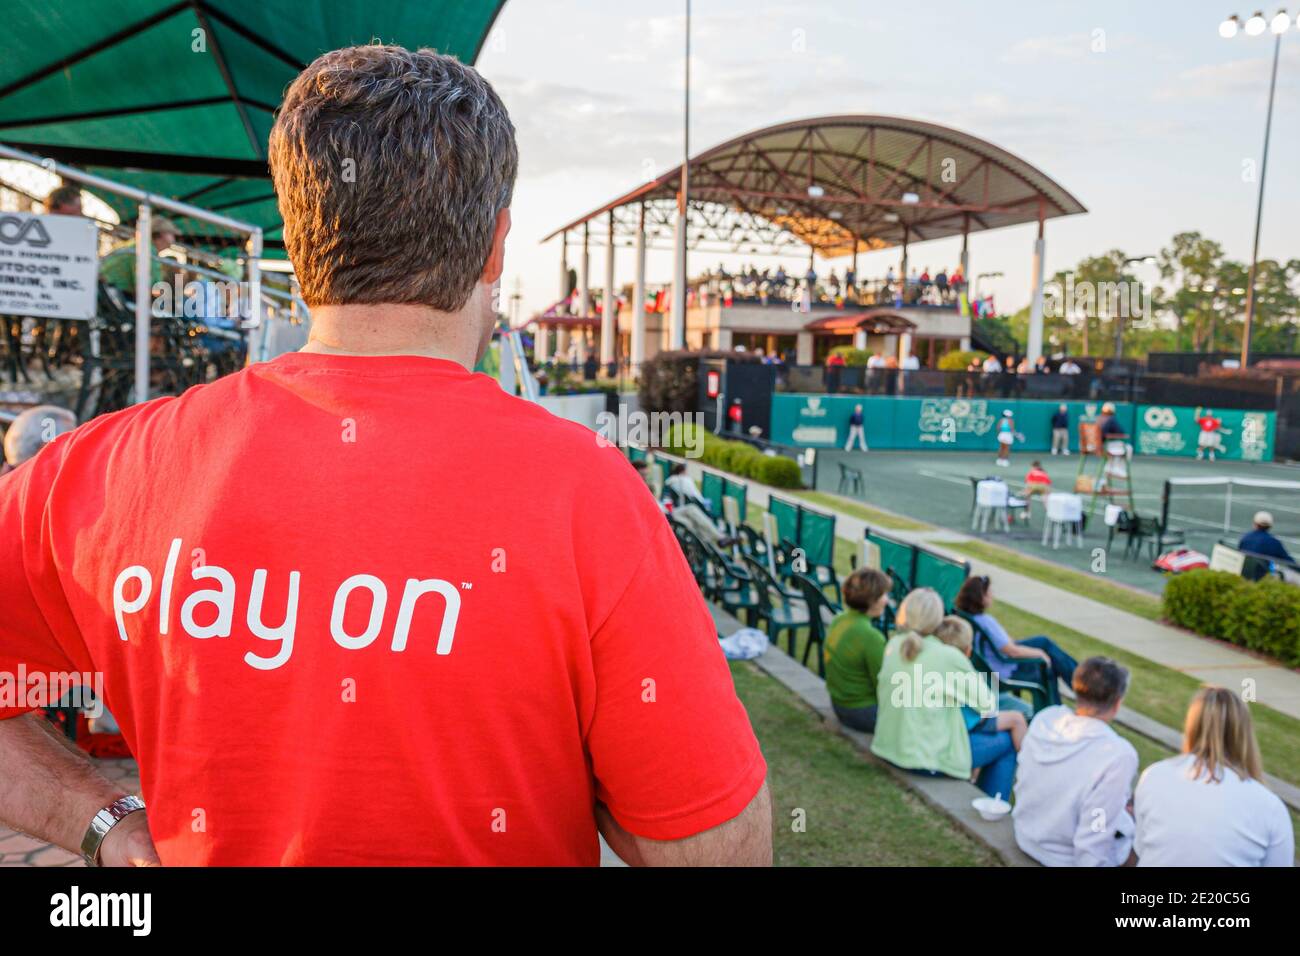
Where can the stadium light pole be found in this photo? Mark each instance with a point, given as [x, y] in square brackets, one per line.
[1229, 28]
[677, 331]
[1119, 318]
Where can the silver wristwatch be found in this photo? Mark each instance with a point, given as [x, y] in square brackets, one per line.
[104, 821]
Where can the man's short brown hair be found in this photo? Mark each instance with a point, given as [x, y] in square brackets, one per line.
[391, 167]
[1100, 682]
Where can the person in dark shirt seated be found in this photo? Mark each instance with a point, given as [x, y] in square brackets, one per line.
[1262, 542]
[1111, 429]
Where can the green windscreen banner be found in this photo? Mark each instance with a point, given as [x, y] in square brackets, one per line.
[1176, 430]
[970, 424]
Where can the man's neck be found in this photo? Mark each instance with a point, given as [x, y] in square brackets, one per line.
[395, 329]
[1104, 716]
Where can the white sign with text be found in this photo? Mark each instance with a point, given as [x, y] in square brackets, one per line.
[48, 265]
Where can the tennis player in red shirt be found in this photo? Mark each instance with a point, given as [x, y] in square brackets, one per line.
[1209, 439]
[357, 605]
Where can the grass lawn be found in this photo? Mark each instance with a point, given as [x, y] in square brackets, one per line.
[1087, 585]
[853, 813]
[877, 519]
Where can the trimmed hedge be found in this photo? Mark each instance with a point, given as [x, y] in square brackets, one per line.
[737, 457]
[959, 361]
[853, 358]
[1263, 615]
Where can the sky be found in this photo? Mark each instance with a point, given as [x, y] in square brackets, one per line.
[1140, 110]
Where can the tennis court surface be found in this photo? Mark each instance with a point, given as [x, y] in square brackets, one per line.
[936, 488]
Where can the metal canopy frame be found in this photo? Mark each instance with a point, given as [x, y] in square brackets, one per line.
[242, 58]
[839, 184]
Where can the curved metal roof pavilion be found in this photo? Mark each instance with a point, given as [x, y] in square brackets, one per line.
[841, 184]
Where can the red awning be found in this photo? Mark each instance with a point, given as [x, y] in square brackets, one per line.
[554, 318]
[875, 322]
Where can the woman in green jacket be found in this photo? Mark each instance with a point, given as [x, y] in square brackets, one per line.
[854, 649]
[924, 683]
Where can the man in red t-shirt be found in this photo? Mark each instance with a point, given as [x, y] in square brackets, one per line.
[328, 625]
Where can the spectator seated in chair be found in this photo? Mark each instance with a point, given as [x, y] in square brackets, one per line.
[31, 431]
[925, 732]
[1074, 783]
[1261, 541]
[854, 649]
[1014, 659]
[692, 508]
[957, 632]
[1209, 806]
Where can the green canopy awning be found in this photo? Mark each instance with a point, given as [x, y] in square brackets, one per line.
[177, 98]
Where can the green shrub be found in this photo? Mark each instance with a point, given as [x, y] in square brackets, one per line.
[855, 358]
[1202, 600]
[779, 472]
[959, 361]
[1265, 616]
[736, 457]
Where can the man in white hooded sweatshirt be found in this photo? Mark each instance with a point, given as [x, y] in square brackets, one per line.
[1074, 777]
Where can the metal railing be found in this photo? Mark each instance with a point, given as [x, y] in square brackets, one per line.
[146, 203]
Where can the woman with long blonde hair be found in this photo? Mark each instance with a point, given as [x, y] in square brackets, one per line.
[924, 684]
[1209, 805]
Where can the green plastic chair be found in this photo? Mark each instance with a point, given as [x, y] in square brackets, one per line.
[780, 609]
[819, 606]
[984, 650]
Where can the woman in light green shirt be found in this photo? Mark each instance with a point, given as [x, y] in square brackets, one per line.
[924, 684]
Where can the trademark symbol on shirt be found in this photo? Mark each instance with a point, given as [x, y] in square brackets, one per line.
[466, 586]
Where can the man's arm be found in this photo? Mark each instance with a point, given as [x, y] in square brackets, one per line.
[744, 840]
[52, 791]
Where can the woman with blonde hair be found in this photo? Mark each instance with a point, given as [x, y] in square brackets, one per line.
[924, 684]
[1209, 806]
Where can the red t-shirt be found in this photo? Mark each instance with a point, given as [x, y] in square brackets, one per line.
[494, 625]
[1208, 423]
[1036, 476]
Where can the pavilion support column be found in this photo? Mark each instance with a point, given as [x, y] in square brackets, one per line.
[584, 273]
[965, 249]
[902, 277]
[1034, 349]
[541, 344]
[677, 323]
[860, 339]
[562, 333]
[638, 297]
[904, 346]
[803, 348]
[965, 270]
[724, 340]
[609, 312]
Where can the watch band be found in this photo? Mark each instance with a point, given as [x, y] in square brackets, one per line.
[102, 822]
